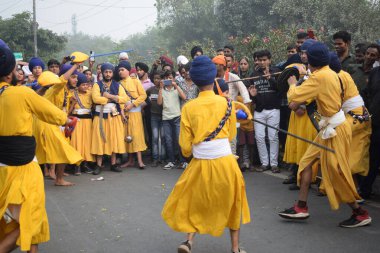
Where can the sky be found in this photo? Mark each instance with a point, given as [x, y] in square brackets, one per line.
[115, 18]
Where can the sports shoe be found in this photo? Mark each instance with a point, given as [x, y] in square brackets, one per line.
[97, 170]
[116, 168]
[169, 166]
[357, 220]
[262, 168]
[184, 165]
[185, 247]
[295, 213]
[276, 169]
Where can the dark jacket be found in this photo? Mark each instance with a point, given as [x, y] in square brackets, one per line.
[373, 93]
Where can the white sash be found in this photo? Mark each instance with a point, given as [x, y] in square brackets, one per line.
[108, 108]
[352, 103]
[3, 165]
[328, 124]
[82, 111]
[212, 149]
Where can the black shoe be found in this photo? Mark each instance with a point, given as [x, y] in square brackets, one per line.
[154, 163]
[289, 180]
[77, 171]
[97, 170]
[293, 187]
[295, 213]
[116, 168]
[357, 220]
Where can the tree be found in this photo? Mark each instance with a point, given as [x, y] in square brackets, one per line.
[17, 32]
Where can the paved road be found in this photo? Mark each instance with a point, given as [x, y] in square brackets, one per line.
[122, 214]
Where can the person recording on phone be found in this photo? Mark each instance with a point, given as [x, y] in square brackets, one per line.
[169, 96]
[268, 101]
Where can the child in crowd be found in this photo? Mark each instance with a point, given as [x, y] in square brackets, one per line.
[169, 97]
[80, 107]
[158, 151]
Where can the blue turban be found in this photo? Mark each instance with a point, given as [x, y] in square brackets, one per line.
[318, 55]
[3, 44]
[81, 79]
[222, 84]
[7, 61]
[202, 71]
[306, 44]
[107, 66]
[335, 62]
[64, 68]
[34, 62]
[125, 64]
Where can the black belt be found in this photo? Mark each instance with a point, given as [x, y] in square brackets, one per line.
[105, 115]
[83, 116]
[17, 150]
[361, 118]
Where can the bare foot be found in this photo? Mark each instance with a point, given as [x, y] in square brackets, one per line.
[52, 174]
[65, 174]
[142, 165]
[127, 164]
[63, 183]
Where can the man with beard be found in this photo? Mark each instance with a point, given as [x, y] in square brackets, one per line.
[342, 43]
[108, 129]
[360, 73]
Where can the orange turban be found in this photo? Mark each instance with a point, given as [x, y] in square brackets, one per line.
[220, 60]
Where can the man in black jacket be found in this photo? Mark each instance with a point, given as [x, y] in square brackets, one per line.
[268, 101]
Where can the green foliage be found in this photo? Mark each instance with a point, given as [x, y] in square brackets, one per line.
[207, 46]
[17, 32]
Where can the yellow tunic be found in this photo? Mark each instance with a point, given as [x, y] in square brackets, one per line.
[135, 127]
[210, 194]
[24, 185]
[113, 126]
[52, 146]
[81, 136]
[323, 86]
[361, 132]
[245, 124]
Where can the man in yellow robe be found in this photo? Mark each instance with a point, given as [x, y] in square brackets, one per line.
[23, 218]
[323, 85]
[210, 194]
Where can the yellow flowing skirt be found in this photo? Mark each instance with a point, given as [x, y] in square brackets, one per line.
[52, 145]
[81, 139]
[24, 185]
[135, 128]
[114, 132]
[359, 153]
[208, 197]
[335, 168]
[295, 148]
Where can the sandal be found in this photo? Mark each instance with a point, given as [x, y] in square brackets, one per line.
[185, 247]
[240, 251]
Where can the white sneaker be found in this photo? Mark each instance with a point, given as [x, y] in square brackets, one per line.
[184, 165]
[169, 166]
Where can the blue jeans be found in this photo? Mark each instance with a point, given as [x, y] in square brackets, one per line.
[171, 130]
[158, 151]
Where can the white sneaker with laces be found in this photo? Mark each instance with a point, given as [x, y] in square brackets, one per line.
[169, 166]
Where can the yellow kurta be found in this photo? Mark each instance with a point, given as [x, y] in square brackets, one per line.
[113, 126]
[24, 185]
[210, 194]
[135, 127]
[361, 132]
[52, 146]
[81, 136]
[323, 86]
[245, 124]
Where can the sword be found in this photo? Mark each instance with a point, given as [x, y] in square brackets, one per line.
[111, 53]
[101, 129]
[255, 77]
[296, 136]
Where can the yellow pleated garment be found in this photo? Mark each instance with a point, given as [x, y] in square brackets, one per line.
[210, 194]
[114, 132]
[52, 146]
[24, 185]
[135, 128]
[295, 148]
[81, 139]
